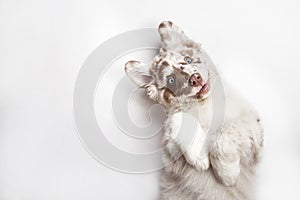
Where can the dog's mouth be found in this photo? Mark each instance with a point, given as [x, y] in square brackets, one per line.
[203, 90]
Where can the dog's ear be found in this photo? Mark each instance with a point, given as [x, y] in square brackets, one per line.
[173, 38]
[138, 72]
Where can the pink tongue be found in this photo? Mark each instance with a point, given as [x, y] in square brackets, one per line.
[204, 88]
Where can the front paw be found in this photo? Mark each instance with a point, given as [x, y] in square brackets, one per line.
[202, 164]
[199, 163]
[229, 182]
[226, 172]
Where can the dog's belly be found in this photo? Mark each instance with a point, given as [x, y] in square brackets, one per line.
[241, 125]
[181, 181]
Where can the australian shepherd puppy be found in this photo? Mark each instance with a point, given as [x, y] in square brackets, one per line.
[202, 162]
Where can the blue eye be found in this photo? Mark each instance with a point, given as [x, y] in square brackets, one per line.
[188, 60]
[171, 80]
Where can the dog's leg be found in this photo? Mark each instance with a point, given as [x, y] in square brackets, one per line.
[225, 160]
[190, 139]
[193, 151]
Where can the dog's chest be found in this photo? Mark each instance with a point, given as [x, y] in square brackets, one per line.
[203, 112]
[194, 120]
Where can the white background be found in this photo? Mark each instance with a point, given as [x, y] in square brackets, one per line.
[255, 45]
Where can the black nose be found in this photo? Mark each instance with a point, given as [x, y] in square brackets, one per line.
[196, 80]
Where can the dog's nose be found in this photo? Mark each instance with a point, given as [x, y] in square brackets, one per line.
[196, 80]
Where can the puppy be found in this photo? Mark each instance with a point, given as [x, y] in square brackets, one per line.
[202, 161]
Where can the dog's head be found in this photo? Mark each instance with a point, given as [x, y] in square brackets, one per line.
[180, 74]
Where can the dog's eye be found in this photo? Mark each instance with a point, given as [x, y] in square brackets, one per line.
[171, 80]
[188, 60]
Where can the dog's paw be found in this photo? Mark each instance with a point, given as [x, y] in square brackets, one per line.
[202, 164]
[199, 163]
